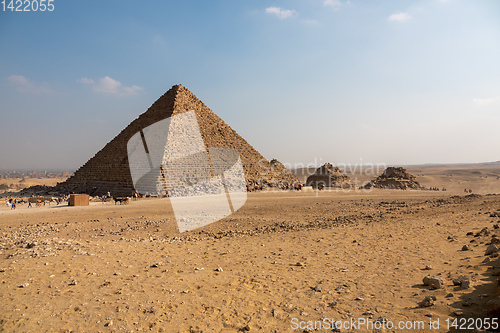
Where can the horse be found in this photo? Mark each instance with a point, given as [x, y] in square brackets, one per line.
[121, 200]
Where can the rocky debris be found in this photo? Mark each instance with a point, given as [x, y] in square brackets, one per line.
[483, 232]
[219, 269]
[435, 282]
[328, 175]
[317, 289]
[395, 177]
[427, 301]
[464, 281]
[465, 248]
[495, 214]
[492, 248]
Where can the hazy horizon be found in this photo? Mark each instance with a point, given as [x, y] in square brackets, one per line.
[302, 81]
[298, 166]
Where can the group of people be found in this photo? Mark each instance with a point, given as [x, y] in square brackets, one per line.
[12, 203]
[281, 186]
[437, 189]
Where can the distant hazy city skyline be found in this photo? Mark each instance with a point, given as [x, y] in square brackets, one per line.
[306, 82]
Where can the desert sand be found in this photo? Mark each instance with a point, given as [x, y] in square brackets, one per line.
[284, 259]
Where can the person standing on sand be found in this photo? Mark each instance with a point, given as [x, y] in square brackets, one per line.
[13, 205]
[29, 203]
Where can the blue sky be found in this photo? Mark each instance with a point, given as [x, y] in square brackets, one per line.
[304, 81]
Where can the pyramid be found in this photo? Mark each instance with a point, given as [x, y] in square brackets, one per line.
[395, 177]
[108, 170]
[327, 175]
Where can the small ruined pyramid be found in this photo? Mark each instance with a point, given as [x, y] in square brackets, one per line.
[329, 176]
[108, 170]
[395, 177]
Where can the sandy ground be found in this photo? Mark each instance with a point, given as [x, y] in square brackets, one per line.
[16, 184]
[282, 263]
[282, 260]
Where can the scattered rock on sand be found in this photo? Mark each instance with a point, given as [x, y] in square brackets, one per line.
[492, 248]
[317, 289]
[465, 248]
[483, 232]
[427, 301]
[464, 281]
[433, 281]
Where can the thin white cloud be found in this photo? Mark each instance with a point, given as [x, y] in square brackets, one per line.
[85, 80]
[310, 22]
[23, 84]
[132, 90]
[335, 4]
[281, 13]
[400, 17]
[486, 101]
[108, 85]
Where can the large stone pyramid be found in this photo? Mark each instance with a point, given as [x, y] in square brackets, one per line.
[109, 169]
